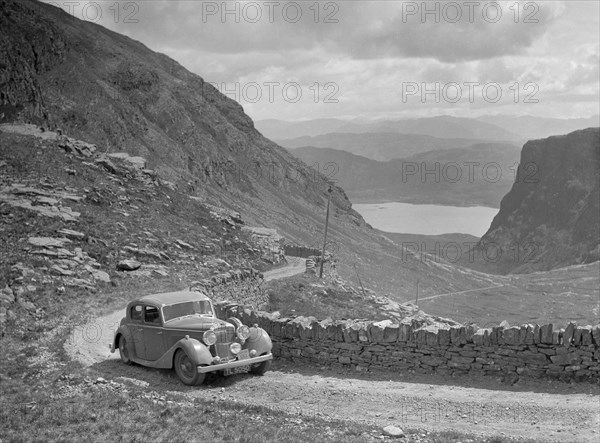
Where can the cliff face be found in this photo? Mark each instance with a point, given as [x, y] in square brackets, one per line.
[30, 46]
[550, 218]
[102, 87]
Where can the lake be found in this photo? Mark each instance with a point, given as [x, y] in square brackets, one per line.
[427, 219]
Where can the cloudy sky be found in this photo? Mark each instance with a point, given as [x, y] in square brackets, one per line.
[371, 59]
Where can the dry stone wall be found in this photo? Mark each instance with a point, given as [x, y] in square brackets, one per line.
[528, 350]
[300, 251]
[249, 292]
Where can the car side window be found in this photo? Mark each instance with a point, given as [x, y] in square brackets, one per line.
[151, 315]
[136, 313]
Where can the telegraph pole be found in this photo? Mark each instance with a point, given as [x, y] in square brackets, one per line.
[329, 191]
[417, 300]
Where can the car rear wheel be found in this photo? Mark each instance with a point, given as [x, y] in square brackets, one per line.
[260, 368]
[124, 351]
[186, 369]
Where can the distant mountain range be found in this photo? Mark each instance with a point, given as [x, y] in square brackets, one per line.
[436, 142]
[532, 128]
[381, 146]
[480, 174]
[280, 129]
[488, 127]
[440, 126]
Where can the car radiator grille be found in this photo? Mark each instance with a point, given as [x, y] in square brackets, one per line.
[225, 334]
[225, 337]
[222, 350]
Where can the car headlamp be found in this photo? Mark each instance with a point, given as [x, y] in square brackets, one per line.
[235, 348]
[209, 337]
[243, 332]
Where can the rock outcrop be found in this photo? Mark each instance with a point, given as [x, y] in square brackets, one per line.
[551, 216]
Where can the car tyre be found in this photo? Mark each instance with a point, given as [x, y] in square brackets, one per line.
[260, 368]
[124, 351]
[186, 369]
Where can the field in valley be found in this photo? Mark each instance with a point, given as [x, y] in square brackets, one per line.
[558, 296]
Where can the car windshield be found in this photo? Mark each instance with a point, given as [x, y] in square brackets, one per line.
[199, 307]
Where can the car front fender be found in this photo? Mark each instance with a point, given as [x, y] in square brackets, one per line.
[259, 340]
[195, 350]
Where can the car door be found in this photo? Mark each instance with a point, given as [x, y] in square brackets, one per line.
[137, 330]
[153, 333]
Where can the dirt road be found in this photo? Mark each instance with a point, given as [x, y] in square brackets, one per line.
[550, 411]
[296, 265]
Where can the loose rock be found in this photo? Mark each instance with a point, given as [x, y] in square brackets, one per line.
[27, 305]
[6, 295]
[72, 234]
[61, 271]
[48, 242]
[128, 265]
[393, 431]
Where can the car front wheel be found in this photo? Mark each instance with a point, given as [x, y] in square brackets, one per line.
[186, 369]
[124, 351]
[260, 368]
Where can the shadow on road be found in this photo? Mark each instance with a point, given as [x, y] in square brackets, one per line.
[167, 379]
[164, 379]
[524, 384]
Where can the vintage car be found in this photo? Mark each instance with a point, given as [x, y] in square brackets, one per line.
[180, 330]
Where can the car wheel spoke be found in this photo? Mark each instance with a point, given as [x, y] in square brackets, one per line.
[123, 351]
[186, 367]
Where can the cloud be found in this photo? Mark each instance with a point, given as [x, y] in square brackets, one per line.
[358, 29]
[371, 48]
[445, 31]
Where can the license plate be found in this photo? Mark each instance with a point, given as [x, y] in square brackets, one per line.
[244, 354]
[238, 370]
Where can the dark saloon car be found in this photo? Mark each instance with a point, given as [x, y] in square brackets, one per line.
[180, 330]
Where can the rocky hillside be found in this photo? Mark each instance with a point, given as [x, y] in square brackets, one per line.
[92, 84]
[74, 222]
[121, 97]
[550, 218]
[102, 87]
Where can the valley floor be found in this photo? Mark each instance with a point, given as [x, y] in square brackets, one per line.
[557, 296]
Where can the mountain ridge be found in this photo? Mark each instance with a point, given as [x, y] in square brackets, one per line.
[531, 127]
[464, 177]
[521, 128]
[380, 146]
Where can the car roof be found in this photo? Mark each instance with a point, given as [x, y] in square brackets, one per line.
[169, 298]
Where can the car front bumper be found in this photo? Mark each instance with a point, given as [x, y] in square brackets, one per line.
[234, 364]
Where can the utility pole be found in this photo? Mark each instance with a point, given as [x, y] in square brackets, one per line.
[417, 300]
[329, 191]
